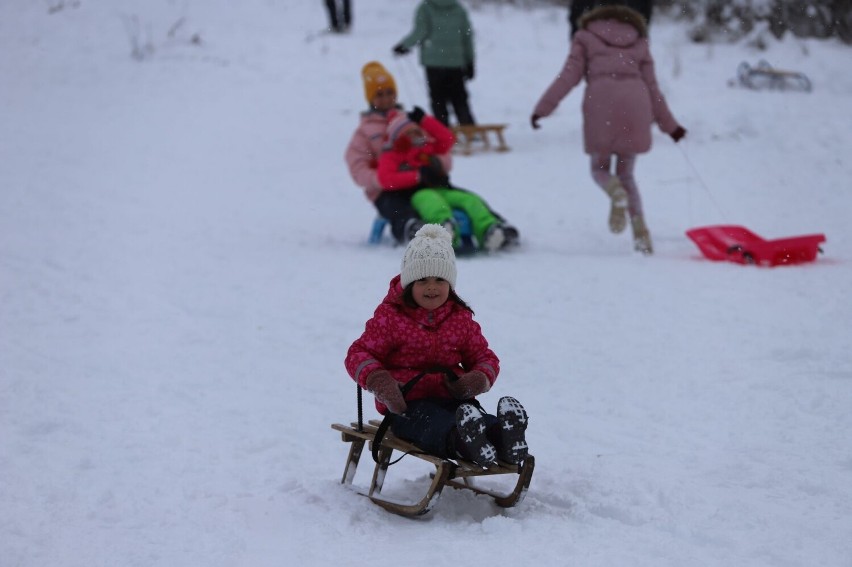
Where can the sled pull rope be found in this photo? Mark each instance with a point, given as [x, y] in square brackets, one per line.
[360, 397]
[700, 180]
[406, 69]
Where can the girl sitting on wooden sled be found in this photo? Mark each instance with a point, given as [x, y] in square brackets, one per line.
[423, 327]
[415, 164]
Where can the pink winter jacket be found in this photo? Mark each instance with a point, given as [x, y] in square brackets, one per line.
[406, 341]
[622, 97]
[365, 147]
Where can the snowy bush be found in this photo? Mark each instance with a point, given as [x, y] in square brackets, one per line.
[734, 19]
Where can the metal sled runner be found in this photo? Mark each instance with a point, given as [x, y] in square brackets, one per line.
[739, 245]
[454, 473]
[764, 76]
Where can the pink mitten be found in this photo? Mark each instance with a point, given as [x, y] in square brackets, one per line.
[469, 385]
[386, 390]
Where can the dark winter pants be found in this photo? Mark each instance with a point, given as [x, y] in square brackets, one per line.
[396, 207]
[446, 85]
[339, 14]
[431, 424]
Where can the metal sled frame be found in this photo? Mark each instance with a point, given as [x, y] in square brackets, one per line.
[457, 474]
[765, 76]
[463, 225]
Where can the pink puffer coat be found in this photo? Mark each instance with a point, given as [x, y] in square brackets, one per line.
[365, 147]
[407, 341]
[622, 97]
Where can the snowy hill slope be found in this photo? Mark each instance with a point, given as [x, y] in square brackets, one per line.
[183, 265]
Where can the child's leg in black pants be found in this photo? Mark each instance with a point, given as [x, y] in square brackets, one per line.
[428, 424]
[396, 207]
[431, 425]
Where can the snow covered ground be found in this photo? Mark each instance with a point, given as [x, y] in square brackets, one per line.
[183, 266]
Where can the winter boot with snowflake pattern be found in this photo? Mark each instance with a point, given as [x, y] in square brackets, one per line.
[513, 425]
[476, 447]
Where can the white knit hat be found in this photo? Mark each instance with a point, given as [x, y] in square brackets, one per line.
[429, 254]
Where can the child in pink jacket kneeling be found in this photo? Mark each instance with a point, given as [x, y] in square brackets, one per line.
[424, 331]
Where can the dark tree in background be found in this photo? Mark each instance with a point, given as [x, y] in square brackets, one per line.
[802, 18]
[731, 20]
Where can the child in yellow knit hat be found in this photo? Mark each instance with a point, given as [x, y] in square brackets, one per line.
[376, 77]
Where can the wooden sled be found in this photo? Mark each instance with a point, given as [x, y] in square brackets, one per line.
[454, 473]
[470, 137]
[739, 245]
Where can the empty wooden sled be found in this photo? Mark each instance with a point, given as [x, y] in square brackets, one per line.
[472, 137]
[739, 245]
[454, 473]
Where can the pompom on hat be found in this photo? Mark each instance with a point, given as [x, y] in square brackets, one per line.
[429, 254]
[376, 77]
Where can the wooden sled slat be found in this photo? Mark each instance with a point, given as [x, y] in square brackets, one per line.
[455, 473]
[470, 137]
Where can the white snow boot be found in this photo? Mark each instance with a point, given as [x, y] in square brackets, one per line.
[618, 205]
[641, 236]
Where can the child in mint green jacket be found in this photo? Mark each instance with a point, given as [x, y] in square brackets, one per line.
[443, 32]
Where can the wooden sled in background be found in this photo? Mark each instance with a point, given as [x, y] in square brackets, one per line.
[454, 473]
[473, 137]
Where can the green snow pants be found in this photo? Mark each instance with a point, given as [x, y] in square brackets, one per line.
[436, 206]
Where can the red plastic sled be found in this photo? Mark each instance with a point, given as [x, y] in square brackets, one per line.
[740, 245]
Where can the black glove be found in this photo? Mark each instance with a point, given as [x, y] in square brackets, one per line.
[416, 115]
[534, 121]
[678, 133]
[469, 72]
[431, 176]
[400, 49]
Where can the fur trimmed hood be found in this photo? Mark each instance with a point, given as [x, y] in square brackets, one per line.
[617, 13]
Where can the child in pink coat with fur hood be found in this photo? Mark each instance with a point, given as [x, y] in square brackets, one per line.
[621, 102]
[423, 334]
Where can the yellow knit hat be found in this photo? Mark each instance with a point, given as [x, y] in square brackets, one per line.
[376, 77]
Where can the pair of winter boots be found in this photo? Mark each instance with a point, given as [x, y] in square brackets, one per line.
[473, 433]
[500, 235]
[618, 218]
